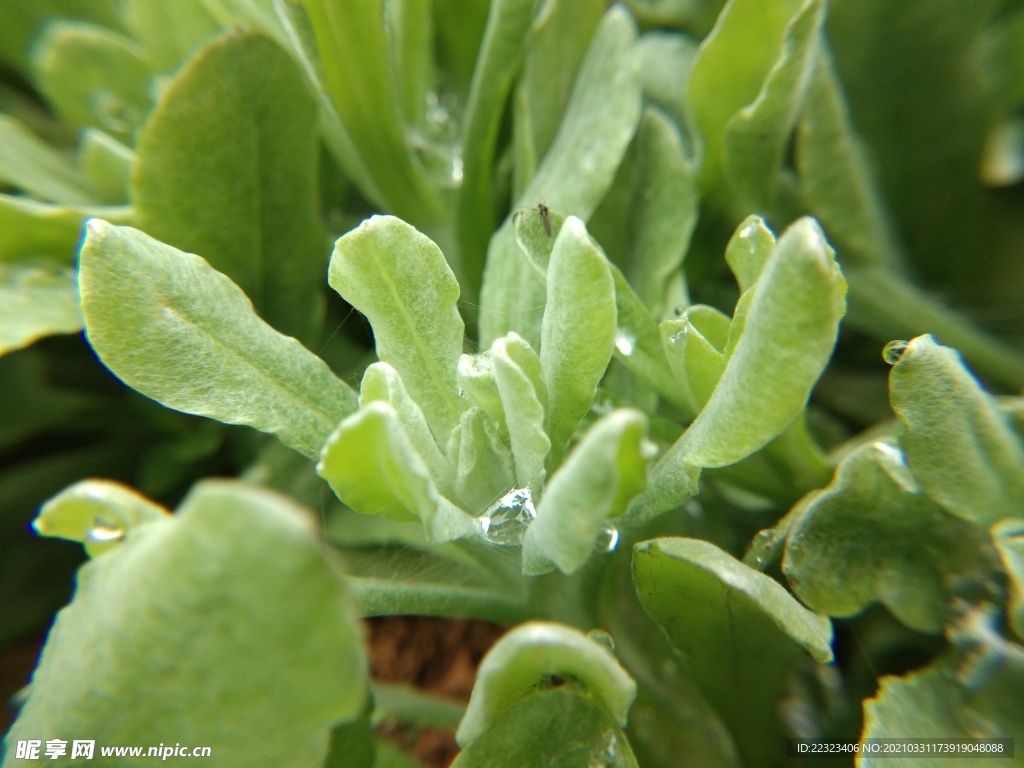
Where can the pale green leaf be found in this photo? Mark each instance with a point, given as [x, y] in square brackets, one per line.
[97, 513]
[578, 334]
[836, 179]
[959, 446]
[169, 34]
[182, 333]
[31, 165]
[788, 336]
[757, 137]
[408, 26]
[36, 300]
[871, 536]
[484, 468]
[665, 62]
[662, 213]
[398, 278]
[517, 372]
[239, 579]
[748, 251]
[371, 466]
[565, 730]
[249, 207]
[92, 76]
[695, 361]
[382, 382]
[595, 484]
[576, 172]
[498, 63]
[353, 54]
[1009, 540]
[518, 665]
[107, 164]
[32, 229]
[730, 68]
[477, 383]
[739, 629]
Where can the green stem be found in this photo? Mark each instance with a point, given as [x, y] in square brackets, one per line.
[886, 305]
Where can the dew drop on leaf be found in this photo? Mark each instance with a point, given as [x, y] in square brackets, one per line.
[104, 532]
[607, 540]
[603, 638]
[893, 351]
[506, 520]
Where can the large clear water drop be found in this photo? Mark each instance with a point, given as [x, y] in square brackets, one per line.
[506, 520]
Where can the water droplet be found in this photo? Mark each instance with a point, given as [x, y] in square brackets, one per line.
[893, 351]
[678, 336]
[603, 638]
[506, 520]
[624, 342]
[104, 532]
[762, 549]
[694, 509]
[889, 452]
[606, 754]
[607, 540]
[112, 112]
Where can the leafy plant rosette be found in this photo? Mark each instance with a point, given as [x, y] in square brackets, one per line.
[551, 433]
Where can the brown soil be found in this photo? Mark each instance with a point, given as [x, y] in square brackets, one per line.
[439, 656]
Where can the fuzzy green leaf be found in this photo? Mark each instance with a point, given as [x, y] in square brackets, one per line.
[169, 325]
[239, 579]
[576, 172]
[250, 207]
[565, 730]
[31, 165]
[520, 663]
[484, 468]
[477, 382]
[382, 382]
[578, 334]
[35, 230]
[36, 300]
[398, 278]
[596, 483]
[757, 137]
[959, 446]
[789, 332]
[93, 76]
[371, 466]
[739, 630]
[517, 371]
[696, 361]
[871, 535]
[749, 249]
[97, 513]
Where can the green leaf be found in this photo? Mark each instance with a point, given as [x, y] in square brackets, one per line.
[36, 300]
[749, 249]
[520, 384]
[564, 730]
[92, 76]
[29, 164]
[382, 382]
[96, 513]
[665, 62]
[172, 327]
[408, 26]
[498, 63]
[484, 468]
[731, 66]
[237, 577]
[871, 535]
[524, 661]
[578, 334]
[959, 446]
[638, 344]
[33, 229]
[353, 55]
[695, 360]
[169, 35]
[836, 182]
[576, 172]
[740, 631]
[398, 278]
[249, 207]
[757, 136]
[476, 379]
[935, 701]
[1009, 540]
[788, 336]
[371, 466]
[596, 483]
[107, 164]
[662, 214]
